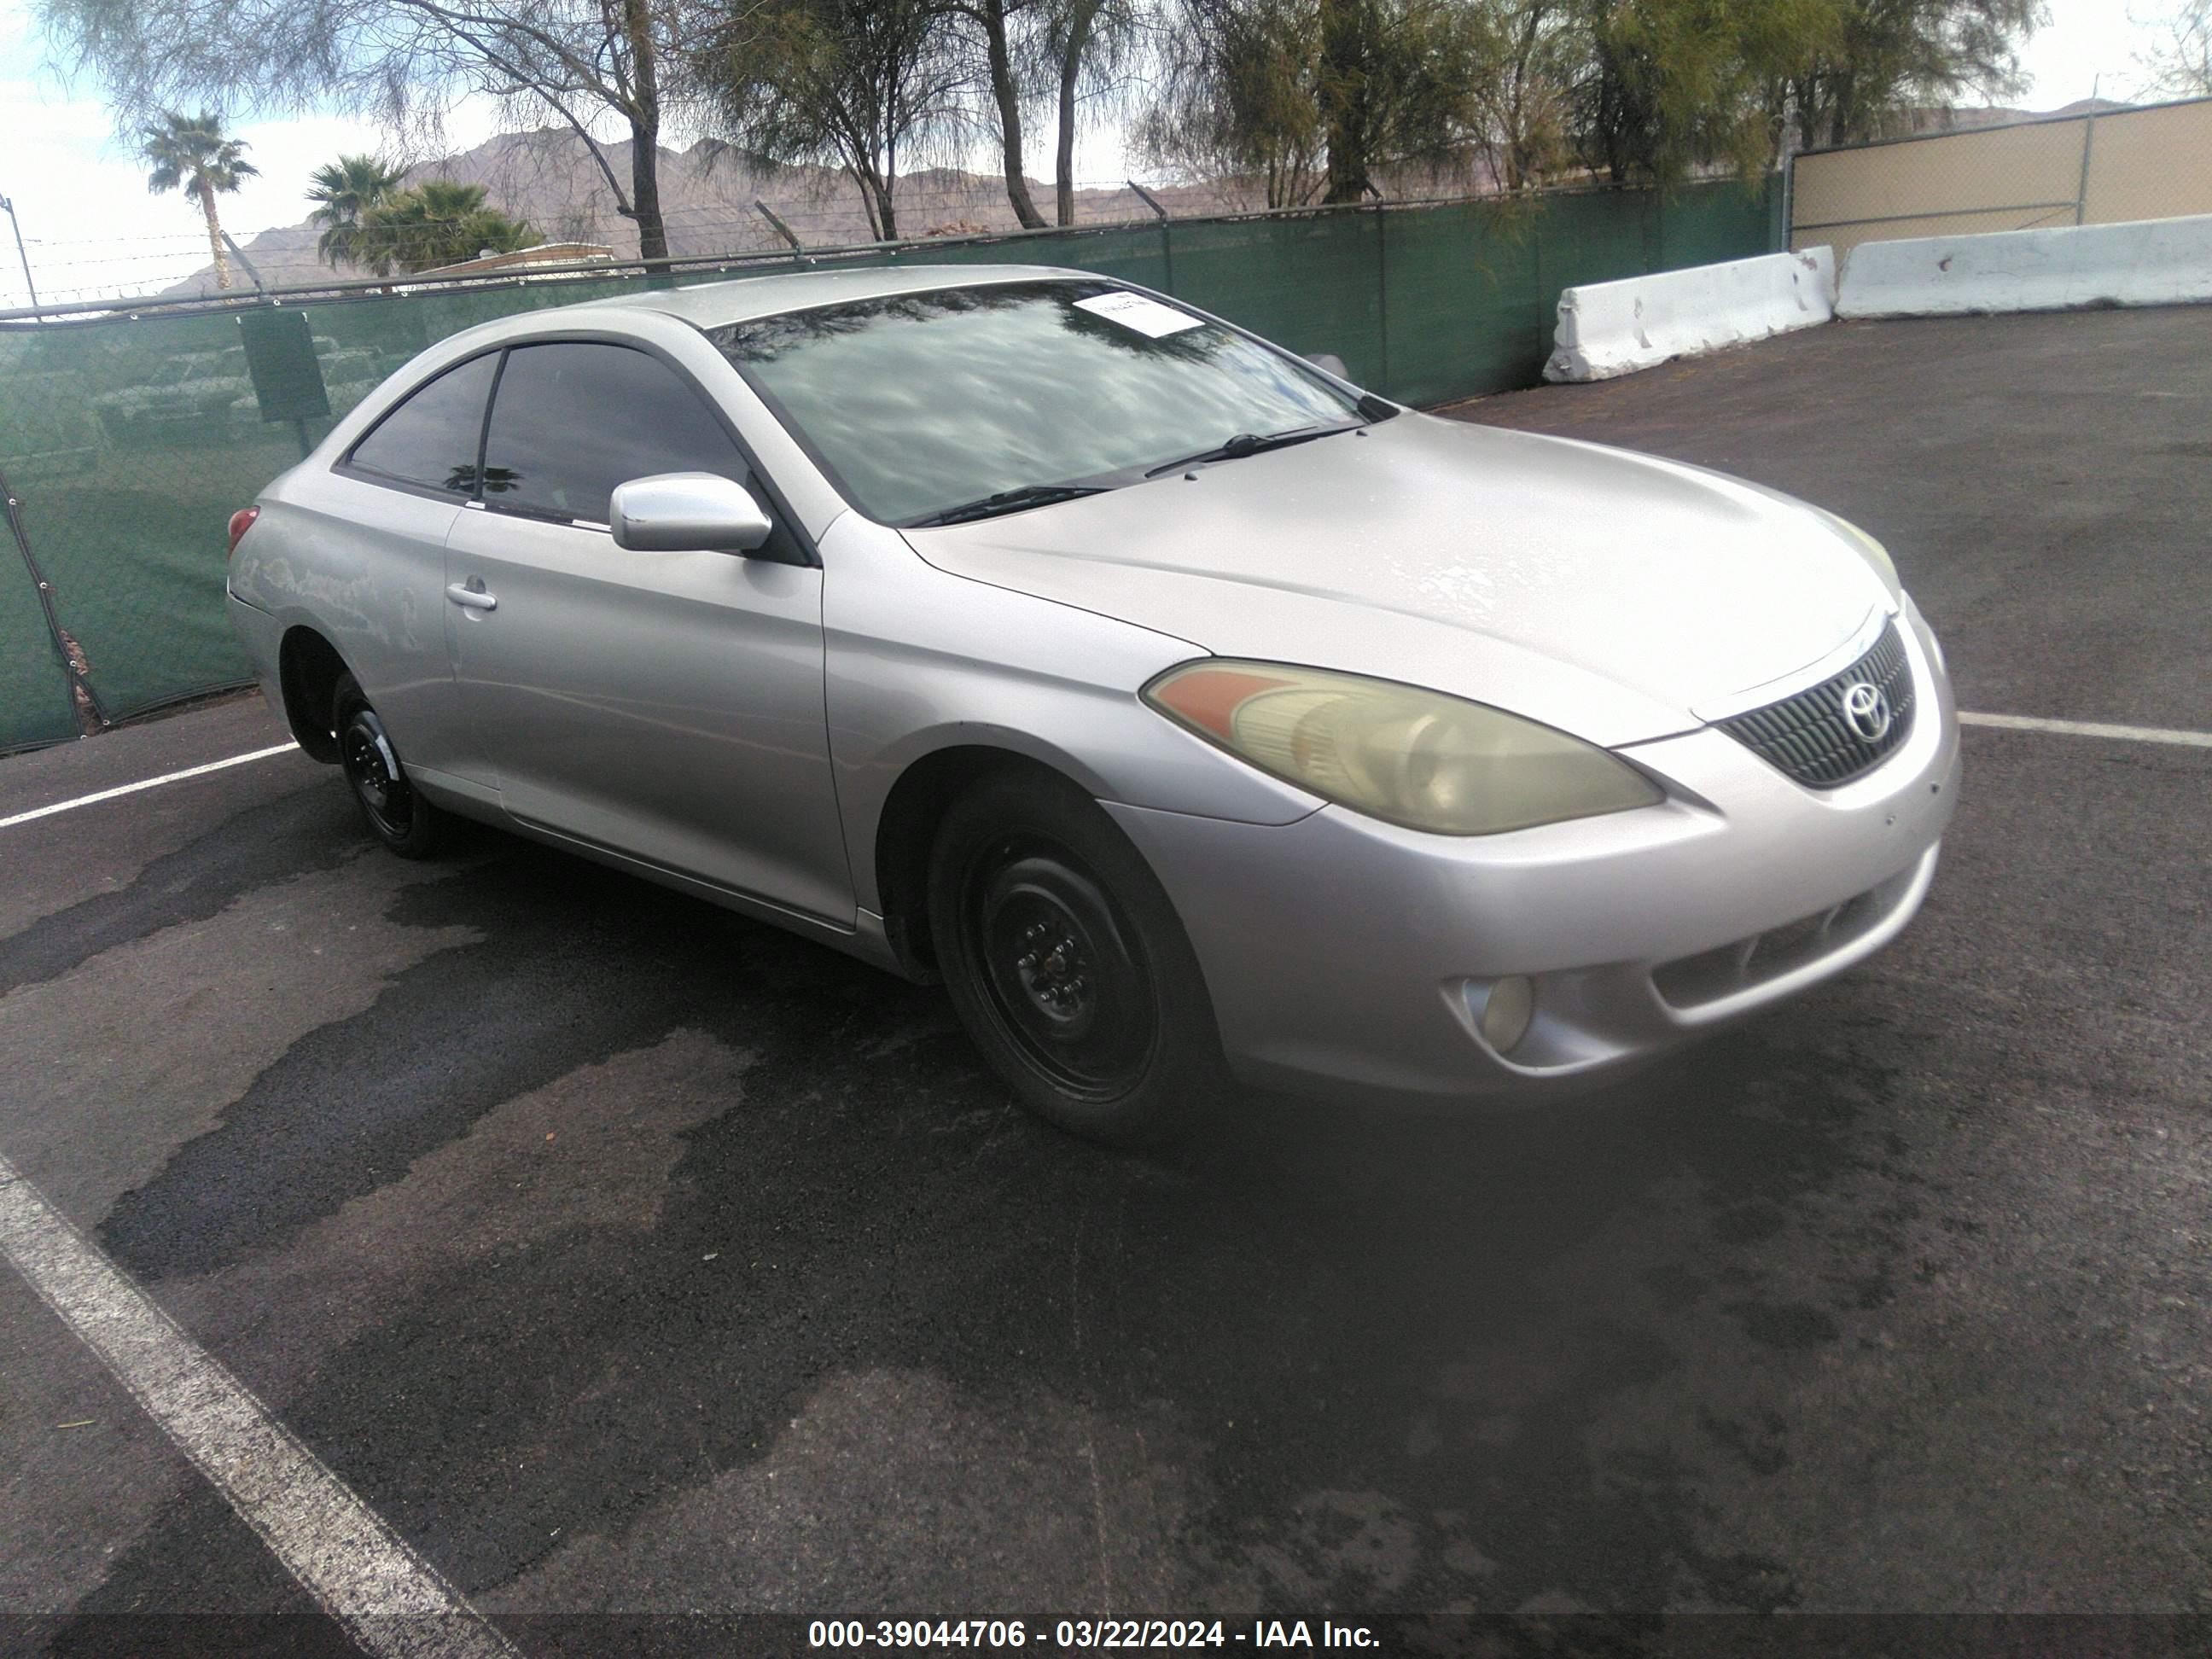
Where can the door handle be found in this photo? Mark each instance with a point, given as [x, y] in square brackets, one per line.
[472, 594]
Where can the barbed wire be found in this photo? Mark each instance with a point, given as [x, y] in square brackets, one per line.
[830, 211]
[115, 259]
[830, 189]
[199, 236]
[698, 219]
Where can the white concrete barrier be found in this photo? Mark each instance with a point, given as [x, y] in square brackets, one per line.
[1616, 328]
[2143, 261]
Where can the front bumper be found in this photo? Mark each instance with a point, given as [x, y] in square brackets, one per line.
[1342, 953]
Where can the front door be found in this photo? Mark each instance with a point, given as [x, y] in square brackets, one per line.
[668, 706]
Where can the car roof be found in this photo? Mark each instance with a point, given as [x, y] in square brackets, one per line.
[711, 305]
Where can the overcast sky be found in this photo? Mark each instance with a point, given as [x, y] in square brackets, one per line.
[93, 230]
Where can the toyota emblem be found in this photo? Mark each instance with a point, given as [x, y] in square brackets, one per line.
[1866, 711]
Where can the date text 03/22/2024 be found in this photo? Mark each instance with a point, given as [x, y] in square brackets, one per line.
[1084, 1633]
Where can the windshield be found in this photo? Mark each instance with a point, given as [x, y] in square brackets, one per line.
[921, 403]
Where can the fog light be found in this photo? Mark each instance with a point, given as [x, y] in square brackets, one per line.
[1506, 1014]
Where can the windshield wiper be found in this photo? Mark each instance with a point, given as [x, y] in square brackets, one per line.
[1250, 443]
[1008, 500]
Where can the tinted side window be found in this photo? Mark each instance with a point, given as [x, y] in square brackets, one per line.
[430, 438]
[573, 419]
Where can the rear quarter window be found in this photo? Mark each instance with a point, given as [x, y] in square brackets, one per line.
[430, 438]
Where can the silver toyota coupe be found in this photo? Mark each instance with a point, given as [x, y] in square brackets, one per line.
[1189, 712]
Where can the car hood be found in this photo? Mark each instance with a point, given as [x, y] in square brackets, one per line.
[1612, 595]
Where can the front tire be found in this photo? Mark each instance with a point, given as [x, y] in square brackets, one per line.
[396, 814]
[1066, 961]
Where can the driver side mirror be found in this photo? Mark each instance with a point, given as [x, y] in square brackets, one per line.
[687, 512]
[1329, 362]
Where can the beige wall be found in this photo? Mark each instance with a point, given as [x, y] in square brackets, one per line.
[2153, 163]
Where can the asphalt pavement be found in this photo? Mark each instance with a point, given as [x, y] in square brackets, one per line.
[631, 1258]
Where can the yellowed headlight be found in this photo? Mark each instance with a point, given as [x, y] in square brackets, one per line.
[1397, 752]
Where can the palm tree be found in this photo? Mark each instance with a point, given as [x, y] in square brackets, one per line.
[190, 152]
[347, 189]
[438, 222]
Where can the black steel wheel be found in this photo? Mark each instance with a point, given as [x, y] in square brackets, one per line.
[1063, 978]
[395, 813]
[1067, 964]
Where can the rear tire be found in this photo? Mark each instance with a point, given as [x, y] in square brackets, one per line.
[395, 812]
[1067, 964]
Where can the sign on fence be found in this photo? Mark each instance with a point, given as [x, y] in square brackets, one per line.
[280, 356]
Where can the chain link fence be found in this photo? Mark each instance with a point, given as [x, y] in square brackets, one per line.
[2104, 168]
[127, 439]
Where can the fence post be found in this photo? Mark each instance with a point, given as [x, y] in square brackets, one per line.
[781, 228]
[84, 703]
[1544, 326]
[239, 254]
[8, 207]
[1383, 293]
[1167, 238]
[2082, 190]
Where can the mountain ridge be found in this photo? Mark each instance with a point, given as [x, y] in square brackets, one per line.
[547, 177]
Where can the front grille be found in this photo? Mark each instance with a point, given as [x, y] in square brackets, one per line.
[1810, 736]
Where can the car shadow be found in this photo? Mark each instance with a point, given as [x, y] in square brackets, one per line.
[1342, 1354]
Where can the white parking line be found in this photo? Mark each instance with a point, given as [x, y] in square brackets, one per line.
[149, 783]
[2085, 729]
[364, 1574]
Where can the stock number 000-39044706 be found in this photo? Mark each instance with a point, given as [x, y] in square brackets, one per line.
[1016, 1633]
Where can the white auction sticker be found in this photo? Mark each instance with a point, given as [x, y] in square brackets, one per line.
[1147, 317]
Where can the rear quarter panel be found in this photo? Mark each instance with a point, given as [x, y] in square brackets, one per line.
[364, 567]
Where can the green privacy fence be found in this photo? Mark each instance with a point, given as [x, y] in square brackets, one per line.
[126, 440]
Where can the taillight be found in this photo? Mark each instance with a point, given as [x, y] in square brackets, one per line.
[240, 522]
